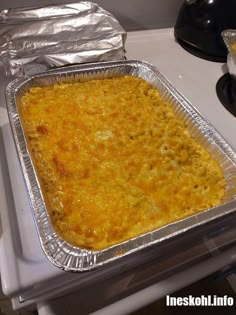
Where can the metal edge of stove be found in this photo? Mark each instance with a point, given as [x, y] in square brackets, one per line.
[223, 237]
[168, 286]
[142, 297]
[204, 268]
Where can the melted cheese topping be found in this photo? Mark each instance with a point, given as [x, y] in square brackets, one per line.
[113, 160]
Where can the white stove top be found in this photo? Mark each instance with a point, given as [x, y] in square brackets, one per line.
[23, 263]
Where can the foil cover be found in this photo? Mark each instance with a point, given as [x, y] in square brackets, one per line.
[68, 257]
[229, 37]
[35, 39]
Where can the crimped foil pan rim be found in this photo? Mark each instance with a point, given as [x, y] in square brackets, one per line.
[227, 35]
[71, 258]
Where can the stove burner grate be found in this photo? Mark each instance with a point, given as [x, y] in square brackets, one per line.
[226, 92]
[194, 50]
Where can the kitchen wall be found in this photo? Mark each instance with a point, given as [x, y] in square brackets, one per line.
[132, 14]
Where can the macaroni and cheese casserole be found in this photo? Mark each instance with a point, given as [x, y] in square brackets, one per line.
[114, 161]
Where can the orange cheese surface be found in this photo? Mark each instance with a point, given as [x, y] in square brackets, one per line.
[113, 160]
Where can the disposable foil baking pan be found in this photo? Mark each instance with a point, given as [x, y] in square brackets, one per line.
[229, 37]
[71, 258]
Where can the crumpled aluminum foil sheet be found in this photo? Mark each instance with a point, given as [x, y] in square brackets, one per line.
[71, 258]
[33, 40]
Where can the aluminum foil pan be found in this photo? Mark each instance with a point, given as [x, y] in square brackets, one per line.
[68, 257]
[229, 37]
[35, 39]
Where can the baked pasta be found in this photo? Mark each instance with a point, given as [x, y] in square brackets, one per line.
[114, 161]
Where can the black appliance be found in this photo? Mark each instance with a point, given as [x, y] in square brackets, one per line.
[200, 23]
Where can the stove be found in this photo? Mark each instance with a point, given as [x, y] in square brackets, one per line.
[30, 279]
[226, 92]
